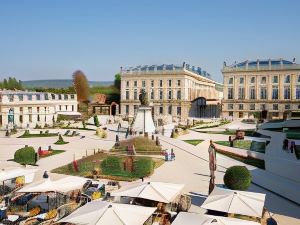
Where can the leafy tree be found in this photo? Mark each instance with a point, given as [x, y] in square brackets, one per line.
[117, 82]
[11, 84]
[81, 86]
[5, 83]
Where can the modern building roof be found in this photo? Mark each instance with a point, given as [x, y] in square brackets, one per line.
[166, 67]
[262, 64]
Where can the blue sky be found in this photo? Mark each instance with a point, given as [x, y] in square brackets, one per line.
[51, 39]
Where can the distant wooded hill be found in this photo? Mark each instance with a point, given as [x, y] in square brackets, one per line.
[56, 83]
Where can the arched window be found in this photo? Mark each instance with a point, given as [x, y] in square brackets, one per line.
[287, 79]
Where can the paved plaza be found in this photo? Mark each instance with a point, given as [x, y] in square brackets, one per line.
[190, 167]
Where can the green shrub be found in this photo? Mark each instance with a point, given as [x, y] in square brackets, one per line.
[112, 165]
[143, 167]
[237, 178]
[25, 155]
[96, 121]
[101, 133]
[60, 141]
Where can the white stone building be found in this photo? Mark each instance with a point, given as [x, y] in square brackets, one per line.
[26, 109]
[175, 92]
[271, 86]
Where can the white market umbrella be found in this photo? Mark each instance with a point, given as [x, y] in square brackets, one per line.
[105, 213]
[156, 191]
[17, 172]
[44, 185]
[184, 218]
[63, 185]
[236, 202]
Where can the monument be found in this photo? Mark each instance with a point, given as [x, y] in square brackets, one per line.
[143, 121]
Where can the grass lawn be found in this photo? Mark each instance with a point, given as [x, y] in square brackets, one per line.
[90, 163]
[26, 135]
[54, 152]
[193, 142]
[249, 133]
[243, 144]
[143, 145]
[250, 161]
[61, 142]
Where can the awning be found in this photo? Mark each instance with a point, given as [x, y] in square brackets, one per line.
[105, 213]
[236, 202]
[156, 191]
[18, 172]
[63, 185]
[184, 218]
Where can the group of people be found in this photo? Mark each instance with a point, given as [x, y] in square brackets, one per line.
[289, 146]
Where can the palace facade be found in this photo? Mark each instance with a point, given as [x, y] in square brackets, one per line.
[175, 92]
[269, 87]
[27, 109]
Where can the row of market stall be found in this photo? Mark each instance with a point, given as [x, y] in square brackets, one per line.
[72, 200]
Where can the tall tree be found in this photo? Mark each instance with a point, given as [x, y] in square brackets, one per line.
[5, 84]
[81, 86]
[117, 82]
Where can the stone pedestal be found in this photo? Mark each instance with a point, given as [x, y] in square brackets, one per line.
[143, 121]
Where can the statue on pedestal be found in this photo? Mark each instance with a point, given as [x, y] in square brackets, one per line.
[143, 97]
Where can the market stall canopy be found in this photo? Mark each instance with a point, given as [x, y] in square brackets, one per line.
[184, 218]
[18, 172]
[105, 213]
[63, 185]
[156, 191]
[237, 202]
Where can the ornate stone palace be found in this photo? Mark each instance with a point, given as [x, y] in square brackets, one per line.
[270, 87]
[175, 92]
[27, 109]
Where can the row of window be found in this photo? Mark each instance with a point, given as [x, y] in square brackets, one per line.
[263, 80]
[161, 109]
[263, 93]
[39, 96]
[38, 109]
[152, 95]
[262, 107]
[160, 82]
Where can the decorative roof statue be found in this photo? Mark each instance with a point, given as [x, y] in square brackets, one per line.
[143, 97]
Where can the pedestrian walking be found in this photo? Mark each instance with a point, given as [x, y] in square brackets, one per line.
[293, 146]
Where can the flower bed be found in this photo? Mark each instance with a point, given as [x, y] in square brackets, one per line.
[110, 166]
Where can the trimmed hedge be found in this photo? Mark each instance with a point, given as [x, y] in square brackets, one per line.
[143, 167]
[96, 121]
[237, 178]
[112, 165]
[25, 155]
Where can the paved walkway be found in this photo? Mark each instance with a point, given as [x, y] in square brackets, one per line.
[191, 168]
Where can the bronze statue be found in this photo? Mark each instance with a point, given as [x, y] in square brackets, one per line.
[143, 97]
